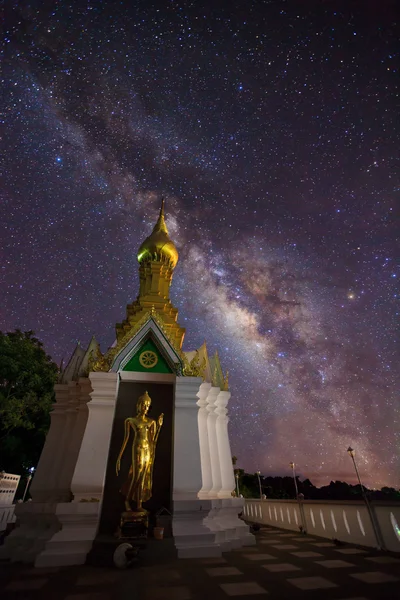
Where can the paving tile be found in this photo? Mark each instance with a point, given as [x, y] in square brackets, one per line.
[334, 564]
[374, 577]
[269, 531]
[99, 578]
[285, 547]
[258, 556]
[312, 583]
[303, 538]
[247, 588]
[350, 551]
[355, 598]
[306, 554]
[250, 549]
[281, 567]
[285, 534]
[264, 557]
[26, 584]
[159, 575]
[168, 593]
[42, 571]
[324, 545]
[217, 560]
[269, 541]
[90, 596]
[223, 571]
[383, 560]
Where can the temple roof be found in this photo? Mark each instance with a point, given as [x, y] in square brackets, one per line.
[78, 364]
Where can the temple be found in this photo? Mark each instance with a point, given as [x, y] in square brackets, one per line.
[76, 497]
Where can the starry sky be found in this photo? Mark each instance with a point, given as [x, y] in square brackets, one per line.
[270, 128]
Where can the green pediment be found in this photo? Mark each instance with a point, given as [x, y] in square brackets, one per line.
[148, 359]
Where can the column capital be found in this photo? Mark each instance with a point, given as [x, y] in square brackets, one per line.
[104, 386]
[221, 404]
[186, 389]
[62, 399]
[212, 399]
[223, 398]
[202, 394]
[73, 390]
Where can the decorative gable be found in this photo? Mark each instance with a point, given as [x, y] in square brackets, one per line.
[148, 359]
[150, 338]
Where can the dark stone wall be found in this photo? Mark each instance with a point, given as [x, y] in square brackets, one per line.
[162, 401]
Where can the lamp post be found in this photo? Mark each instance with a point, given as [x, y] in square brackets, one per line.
[291, 465]
[26, 487]
[352, 453]
[299, 499]
[259, 483]
[31, 470]
[237, 484]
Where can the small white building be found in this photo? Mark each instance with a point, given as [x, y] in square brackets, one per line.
[75, 490]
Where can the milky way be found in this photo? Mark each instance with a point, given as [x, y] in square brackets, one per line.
[270, 129]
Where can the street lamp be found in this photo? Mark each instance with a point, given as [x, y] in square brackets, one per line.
[259, 483]
[291, 465]
[352, 453]
[237, 484]
[28, 482]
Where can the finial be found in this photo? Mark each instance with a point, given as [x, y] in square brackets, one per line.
[160, 225]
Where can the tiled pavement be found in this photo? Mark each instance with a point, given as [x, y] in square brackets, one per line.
[281, 566]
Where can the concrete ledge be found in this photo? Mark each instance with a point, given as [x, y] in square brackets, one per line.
[71, 545]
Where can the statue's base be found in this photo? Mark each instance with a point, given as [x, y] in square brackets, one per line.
[133, 525]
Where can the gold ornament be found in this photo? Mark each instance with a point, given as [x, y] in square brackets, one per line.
[138, 487]
[194, 368]
[225, 385]
[148, 359]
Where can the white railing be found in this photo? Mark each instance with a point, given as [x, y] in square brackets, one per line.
[8, 486]
[345, 521]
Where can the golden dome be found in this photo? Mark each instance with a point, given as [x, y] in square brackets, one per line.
[158, 246]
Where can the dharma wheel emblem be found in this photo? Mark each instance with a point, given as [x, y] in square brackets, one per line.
[148, 359]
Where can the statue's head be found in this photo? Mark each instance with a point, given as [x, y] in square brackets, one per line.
[143, 404]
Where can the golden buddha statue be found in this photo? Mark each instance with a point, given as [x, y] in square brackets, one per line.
[138, 487]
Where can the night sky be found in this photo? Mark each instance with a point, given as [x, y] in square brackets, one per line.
[270, 128]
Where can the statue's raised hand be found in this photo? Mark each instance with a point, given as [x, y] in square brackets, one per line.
[118, 466]
[160, 420]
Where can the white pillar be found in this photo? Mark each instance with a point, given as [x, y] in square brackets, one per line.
[187, 479]
[213, 443]
[62, 483]
[203, 439]
[90, 471]
[44, 484]
[77, 414]
[224, 448]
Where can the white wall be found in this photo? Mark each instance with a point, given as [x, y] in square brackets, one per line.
[6, 516]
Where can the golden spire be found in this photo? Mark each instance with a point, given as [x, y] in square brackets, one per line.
[158, 247]
[161, 225]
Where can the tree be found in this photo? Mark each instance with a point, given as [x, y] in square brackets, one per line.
[27, 377]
